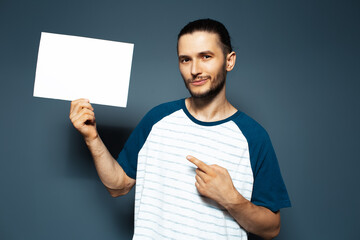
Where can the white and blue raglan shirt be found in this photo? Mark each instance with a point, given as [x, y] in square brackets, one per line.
[167, 203]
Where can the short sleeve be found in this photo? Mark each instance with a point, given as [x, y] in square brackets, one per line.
[269, 189]
[128, 156]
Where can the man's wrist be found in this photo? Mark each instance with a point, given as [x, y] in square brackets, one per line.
[91, 140]
[234, 201]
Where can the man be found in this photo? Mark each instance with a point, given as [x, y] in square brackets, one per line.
[203, 169]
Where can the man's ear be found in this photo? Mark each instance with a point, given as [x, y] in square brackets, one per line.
[230, 61]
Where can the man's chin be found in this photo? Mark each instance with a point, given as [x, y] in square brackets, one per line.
[206, 93]
[200, 95]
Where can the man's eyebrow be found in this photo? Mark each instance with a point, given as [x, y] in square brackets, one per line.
[200, 53]
[206, 52]
[183, 56]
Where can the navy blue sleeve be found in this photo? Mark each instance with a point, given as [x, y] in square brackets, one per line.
[128, 156]
[269, 189]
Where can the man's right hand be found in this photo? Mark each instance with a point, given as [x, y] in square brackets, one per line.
[82, 117]
[110, 172]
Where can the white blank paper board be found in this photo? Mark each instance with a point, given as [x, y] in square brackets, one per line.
[71, 67]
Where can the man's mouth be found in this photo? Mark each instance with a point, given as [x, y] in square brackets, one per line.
[199, 81]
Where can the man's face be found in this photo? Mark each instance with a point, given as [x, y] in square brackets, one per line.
[202, 63]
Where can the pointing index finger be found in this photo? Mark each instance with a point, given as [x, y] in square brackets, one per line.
[200, 164]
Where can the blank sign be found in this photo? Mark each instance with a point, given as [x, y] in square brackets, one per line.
[72, 67]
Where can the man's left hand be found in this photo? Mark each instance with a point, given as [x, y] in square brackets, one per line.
[214, 182]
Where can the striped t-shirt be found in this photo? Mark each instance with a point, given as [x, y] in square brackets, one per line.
[167, 203]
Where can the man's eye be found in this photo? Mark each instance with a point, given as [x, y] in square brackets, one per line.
[185, 60]
[206, 56]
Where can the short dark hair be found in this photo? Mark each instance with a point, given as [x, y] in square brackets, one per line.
[212, 26]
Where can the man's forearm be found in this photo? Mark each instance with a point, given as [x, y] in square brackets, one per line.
[110, 172]
[214, 182]
[255, 219]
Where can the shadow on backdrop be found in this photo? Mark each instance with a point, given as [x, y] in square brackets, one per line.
[79, 161]
[80, 165]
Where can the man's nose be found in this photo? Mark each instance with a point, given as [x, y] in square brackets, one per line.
[195, 68]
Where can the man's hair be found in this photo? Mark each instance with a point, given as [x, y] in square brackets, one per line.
[211, 26]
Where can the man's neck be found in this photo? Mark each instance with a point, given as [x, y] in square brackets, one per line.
[210, 109]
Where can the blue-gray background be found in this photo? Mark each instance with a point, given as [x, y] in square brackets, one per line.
[297, 73]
